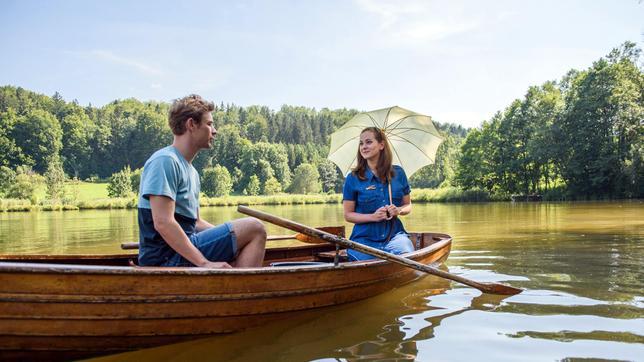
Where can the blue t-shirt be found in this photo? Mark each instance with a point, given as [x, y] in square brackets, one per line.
[166, 173]
[371, 194]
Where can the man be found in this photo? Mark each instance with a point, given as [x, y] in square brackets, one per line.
[171, 231]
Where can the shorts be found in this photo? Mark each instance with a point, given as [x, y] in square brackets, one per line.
[219, 243]
[399, 244]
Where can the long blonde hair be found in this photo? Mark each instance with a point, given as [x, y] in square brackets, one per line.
[384, 169]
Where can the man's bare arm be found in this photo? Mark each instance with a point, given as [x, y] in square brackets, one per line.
[170, 230]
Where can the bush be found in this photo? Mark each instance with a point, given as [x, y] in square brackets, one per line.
[55, 180]
[216, 181]
[120, 184]
[135, 179]
[272, 186]
[7, 178]
[450, 194]
[252, 189]
[15, 205]
[306, 180]
[25, 186]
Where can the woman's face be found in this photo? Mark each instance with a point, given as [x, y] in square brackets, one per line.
[369, 147]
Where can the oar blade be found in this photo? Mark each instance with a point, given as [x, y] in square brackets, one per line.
[335, 230]
[498, 288]
[309, 239]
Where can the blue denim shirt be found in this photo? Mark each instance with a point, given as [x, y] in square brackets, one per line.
[371, 194]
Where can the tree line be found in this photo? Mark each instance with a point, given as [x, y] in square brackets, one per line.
[578, 137]
[257, 150]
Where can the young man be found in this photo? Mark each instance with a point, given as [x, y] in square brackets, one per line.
[171, 231]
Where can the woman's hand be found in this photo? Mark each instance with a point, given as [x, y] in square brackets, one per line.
[392, 211]
[380, 214]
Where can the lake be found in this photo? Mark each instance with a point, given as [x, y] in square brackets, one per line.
[581, 265]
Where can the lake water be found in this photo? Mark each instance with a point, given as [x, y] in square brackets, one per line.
[581, 265]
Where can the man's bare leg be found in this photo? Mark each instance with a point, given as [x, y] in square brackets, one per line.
[251, 242]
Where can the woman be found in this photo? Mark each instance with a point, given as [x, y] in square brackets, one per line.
[375, 193]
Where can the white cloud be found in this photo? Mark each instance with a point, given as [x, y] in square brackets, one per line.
[417, 22]
[142, 67]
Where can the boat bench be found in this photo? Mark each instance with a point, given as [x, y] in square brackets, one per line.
[330, 256]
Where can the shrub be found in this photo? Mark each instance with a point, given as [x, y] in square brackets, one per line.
[216, 181]
[135, 179]
[252, 189]
[306, 180]
[272, 186]
[25, 186]
[120, 184]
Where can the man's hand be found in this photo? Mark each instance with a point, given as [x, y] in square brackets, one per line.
[216, 265]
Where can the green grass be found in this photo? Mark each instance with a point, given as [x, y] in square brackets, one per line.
[281, 199]
[88, 195]
[88, 191]
[454, 194]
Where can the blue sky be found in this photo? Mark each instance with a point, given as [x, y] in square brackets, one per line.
[457, 61]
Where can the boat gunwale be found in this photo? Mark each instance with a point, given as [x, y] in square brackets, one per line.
[61, 268]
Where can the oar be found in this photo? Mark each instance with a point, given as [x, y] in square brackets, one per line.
[492, 288]
[300, 237]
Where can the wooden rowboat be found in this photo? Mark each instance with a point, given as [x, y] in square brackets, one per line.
[67, 307]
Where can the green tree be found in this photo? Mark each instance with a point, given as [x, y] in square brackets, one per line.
[11, 154]
[479, 157]
[256, 126]
[328, 175]
[265, 171]
[252, 188]
[306, 180]
[237, 178]
[26, 185]
[272, 186]
[76, 151]
[601, 127]
[55, 180]
[216, 181]
[135, 179]
[120, 184]
[7, 178]
[39, 136]
[542, 106]
[444, 169]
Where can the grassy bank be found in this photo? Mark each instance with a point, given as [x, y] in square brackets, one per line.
[94, 196]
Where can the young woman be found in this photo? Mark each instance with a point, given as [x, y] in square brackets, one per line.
[375, 193]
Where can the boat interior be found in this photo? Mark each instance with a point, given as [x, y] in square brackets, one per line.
[301, 253]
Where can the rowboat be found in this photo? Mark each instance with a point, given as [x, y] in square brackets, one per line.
[65, 307]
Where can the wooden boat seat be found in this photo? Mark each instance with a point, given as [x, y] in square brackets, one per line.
[329, 256]
[296, 263]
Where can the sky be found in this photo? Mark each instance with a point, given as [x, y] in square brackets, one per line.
[456, 61]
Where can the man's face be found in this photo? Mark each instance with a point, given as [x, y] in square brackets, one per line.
[205, 132]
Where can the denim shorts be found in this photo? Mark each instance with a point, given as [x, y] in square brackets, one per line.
[218, 243]
[399, 244]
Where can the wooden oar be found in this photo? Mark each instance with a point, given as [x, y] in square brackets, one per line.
[492, 288]
[336, 230]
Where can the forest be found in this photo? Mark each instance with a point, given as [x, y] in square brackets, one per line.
[579, 137]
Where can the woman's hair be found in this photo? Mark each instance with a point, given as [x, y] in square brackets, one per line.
[384, 168]
[192, 106]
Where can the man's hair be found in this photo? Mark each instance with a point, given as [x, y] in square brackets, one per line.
[192, 106]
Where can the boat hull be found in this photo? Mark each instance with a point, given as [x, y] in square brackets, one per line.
[66, 307]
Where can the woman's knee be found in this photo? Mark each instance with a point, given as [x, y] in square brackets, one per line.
[400, 244]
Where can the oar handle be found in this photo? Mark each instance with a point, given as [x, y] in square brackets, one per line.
[493, 288]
